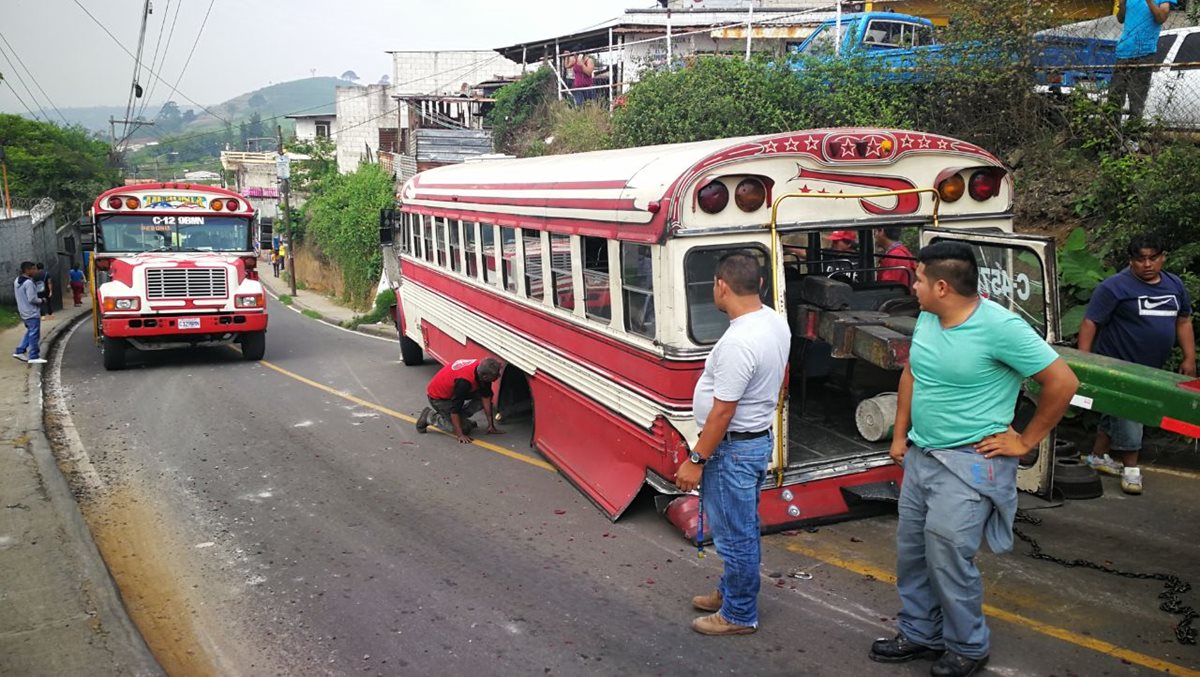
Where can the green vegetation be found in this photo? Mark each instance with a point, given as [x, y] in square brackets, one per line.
[520, 111]
[382, 310]
[9, 317]
[341, 221]
[308, 312]
[62, 163]
[285, 299]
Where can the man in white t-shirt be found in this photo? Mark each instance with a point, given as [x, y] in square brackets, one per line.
[734, 403]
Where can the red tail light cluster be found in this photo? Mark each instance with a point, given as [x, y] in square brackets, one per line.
[231, 205]
[984, 184]
[713, 197]
[114, 202]
[216, 205]
[750, 195]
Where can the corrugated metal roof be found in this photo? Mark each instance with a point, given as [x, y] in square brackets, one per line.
[452, 145]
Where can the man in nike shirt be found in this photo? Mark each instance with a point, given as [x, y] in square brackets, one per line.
[1136, 315]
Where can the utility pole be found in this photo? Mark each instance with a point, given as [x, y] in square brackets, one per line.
[112, 131]
[284, 189]
[4, 171]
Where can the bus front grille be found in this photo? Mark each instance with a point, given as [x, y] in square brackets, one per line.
[171, 283]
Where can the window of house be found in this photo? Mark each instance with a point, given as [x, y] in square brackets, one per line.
[490, 269]
[560, 272]
[455, 246]
[637, 283]
[471, 245]
[426, 239]
[706, 323]
[597, 294]
[534, 285]
[322, 130]
[508, 260]
[440, 243]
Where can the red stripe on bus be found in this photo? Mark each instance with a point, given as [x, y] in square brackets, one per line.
[1191, 385]
[561, 203]
[669, 383]
[1183, 428]
[648, 233]
[556, 185]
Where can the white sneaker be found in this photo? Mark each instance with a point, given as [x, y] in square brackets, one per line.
[19, 356]
[1104, 464]
[1131, 481]
[36, 360]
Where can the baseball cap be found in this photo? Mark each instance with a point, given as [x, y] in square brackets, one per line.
[847, 235]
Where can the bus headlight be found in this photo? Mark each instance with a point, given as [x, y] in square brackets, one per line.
[248, 301]
[122, 304]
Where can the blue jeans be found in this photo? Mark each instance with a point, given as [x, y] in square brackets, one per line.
[1125, 435]
[730, 490]
[941, 529]
[33, 336]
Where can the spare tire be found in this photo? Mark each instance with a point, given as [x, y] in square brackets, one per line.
[1076, 480]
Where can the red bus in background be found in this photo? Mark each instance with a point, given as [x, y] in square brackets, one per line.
[174, 267]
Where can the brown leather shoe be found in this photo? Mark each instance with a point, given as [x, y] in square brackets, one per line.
[716, 625]
[710, 602]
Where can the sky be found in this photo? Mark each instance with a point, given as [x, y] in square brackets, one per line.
[247, 44]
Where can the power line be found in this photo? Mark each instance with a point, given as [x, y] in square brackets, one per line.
[156, 75]
[26, 87]
[195, 42]
[154, 60]
[131, 103]
[35, 82]
[20, 100]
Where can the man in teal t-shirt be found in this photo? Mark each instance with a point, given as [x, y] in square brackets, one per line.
[968, 359]
[1137, 49]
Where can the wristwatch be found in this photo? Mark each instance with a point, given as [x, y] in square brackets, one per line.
[696, 458]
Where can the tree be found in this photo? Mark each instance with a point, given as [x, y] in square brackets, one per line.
[63, 163]
[258, 100]
[385, 80]
[350, 75]
[169, 119]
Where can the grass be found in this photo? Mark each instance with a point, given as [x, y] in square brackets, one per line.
[9, 317]
[285, 299]
[311, 313]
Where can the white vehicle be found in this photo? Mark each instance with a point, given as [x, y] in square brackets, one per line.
[1174, 99]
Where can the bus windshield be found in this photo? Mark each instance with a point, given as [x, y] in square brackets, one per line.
[190, 233]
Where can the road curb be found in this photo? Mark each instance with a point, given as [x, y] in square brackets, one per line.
[124, 640]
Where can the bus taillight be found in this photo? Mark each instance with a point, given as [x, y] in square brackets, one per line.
[231, 205]
[114, 202]
[713, 197]
[132, 203]
[750, 194]
[216, 205]
[985, 184]
[951, 188]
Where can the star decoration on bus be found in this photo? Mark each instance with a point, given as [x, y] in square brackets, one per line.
[811, 143]
[847, 148]
[791, 146]
[772, 147]
[943, 144]
[924, 142]
[906, 141]
[874, 148]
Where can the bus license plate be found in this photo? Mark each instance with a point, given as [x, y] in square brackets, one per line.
[189, 323]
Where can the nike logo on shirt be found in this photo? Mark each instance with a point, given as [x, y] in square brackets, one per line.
[1158, 305]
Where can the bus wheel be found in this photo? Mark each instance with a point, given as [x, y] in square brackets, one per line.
[254, 345]
[114, 353]
[410, 352]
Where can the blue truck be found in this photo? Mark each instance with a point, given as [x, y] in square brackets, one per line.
[904, 45]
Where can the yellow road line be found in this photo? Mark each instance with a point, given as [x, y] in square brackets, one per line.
[865, 569]
[536, 462]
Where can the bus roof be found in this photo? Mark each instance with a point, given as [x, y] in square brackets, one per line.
[155, 197]
[635, 193]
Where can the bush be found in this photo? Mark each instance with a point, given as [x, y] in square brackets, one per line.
[518, 105]
[383, 309]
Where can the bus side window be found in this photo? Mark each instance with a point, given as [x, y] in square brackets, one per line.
[560, 272]
[508, 253]
[488, 235]
[471, 245]
[534, 288]
[440, 242]
[455, 248]
[637, 282]
[596, 290]
[706, 323]
[426, 239]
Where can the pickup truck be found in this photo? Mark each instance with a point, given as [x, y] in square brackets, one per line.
[905, 43]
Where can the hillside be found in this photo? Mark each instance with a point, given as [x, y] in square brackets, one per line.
[310, 95]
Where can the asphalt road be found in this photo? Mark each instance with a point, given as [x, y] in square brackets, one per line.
[283, 518]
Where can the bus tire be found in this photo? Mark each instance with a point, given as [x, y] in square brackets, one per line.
[114, 353]
[254, 345]
[411, 353]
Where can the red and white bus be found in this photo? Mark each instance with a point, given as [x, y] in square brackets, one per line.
[607, 353]
[174, 267]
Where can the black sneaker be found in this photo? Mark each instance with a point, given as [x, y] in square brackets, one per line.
[423, 420]
[954, 665]
[901, 649]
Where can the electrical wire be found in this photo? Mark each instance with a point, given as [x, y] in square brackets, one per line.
[154, 63]
[20, 100]
[137, 63]
[35, 82]
[26, 87]
[194, 43]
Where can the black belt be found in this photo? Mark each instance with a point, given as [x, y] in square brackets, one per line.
[733, 436]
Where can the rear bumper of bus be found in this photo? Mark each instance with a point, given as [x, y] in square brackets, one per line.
[198, 326]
